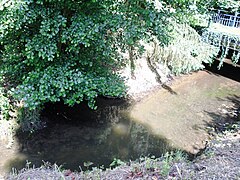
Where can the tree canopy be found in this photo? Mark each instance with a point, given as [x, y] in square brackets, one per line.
[226, 5]
[71, 50]
[54, 50]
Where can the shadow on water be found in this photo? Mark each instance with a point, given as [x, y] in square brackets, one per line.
[228, 117]
[227, 70]
[75, 135]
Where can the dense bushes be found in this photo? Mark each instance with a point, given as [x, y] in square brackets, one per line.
[63, 50]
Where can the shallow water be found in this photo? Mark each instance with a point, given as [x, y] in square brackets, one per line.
[182, 117]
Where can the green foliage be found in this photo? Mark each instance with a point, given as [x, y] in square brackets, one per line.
[150, 162]
[169, 158]
[166, 163]
[87, 164]
[52, 50]
[116, 162]
[224, 41]
[187, 11]
[29, 120]
[186, 52]
[5, 105]
[70, 85]
[227, 5]
[198, 12]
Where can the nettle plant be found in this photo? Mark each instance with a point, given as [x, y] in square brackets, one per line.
[52, 50]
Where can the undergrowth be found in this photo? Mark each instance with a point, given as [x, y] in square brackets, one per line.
[186, 53]
[144, 168]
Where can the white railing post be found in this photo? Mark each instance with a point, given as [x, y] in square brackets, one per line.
[226, 19]
[235, 18]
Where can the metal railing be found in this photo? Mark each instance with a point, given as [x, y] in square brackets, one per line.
[227, 20]
[221, 39]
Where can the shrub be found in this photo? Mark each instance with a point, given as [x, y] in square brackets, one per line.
[52, 50]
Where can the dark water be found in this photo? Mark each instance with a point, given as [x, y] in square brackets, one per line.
[228, 69]
[75, 135]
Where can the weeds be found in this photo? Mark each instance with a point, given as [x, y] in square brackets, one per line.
[87, 164]
[166, 163]
[172, 165]
[116, 162]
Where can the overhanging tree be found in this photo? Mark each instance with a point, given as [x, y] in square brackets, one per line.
[52, 50]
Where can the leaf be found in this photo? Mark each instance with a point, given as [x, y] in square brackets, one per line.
[88, 163]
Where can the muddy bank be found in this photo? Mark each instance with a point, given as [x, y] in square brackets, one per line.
[183, 117]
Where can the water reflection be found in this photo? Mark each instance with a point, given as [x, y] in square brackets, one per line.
[77, 135]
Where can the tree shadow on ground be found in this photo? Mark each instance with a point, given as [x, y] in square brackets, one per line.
[153, 67]
[228, 116]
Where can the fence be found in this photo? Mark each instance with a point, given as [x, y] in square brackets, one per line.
[227, 20]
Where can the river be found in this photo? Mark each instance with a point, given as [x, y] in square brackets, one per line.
[160, 122]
